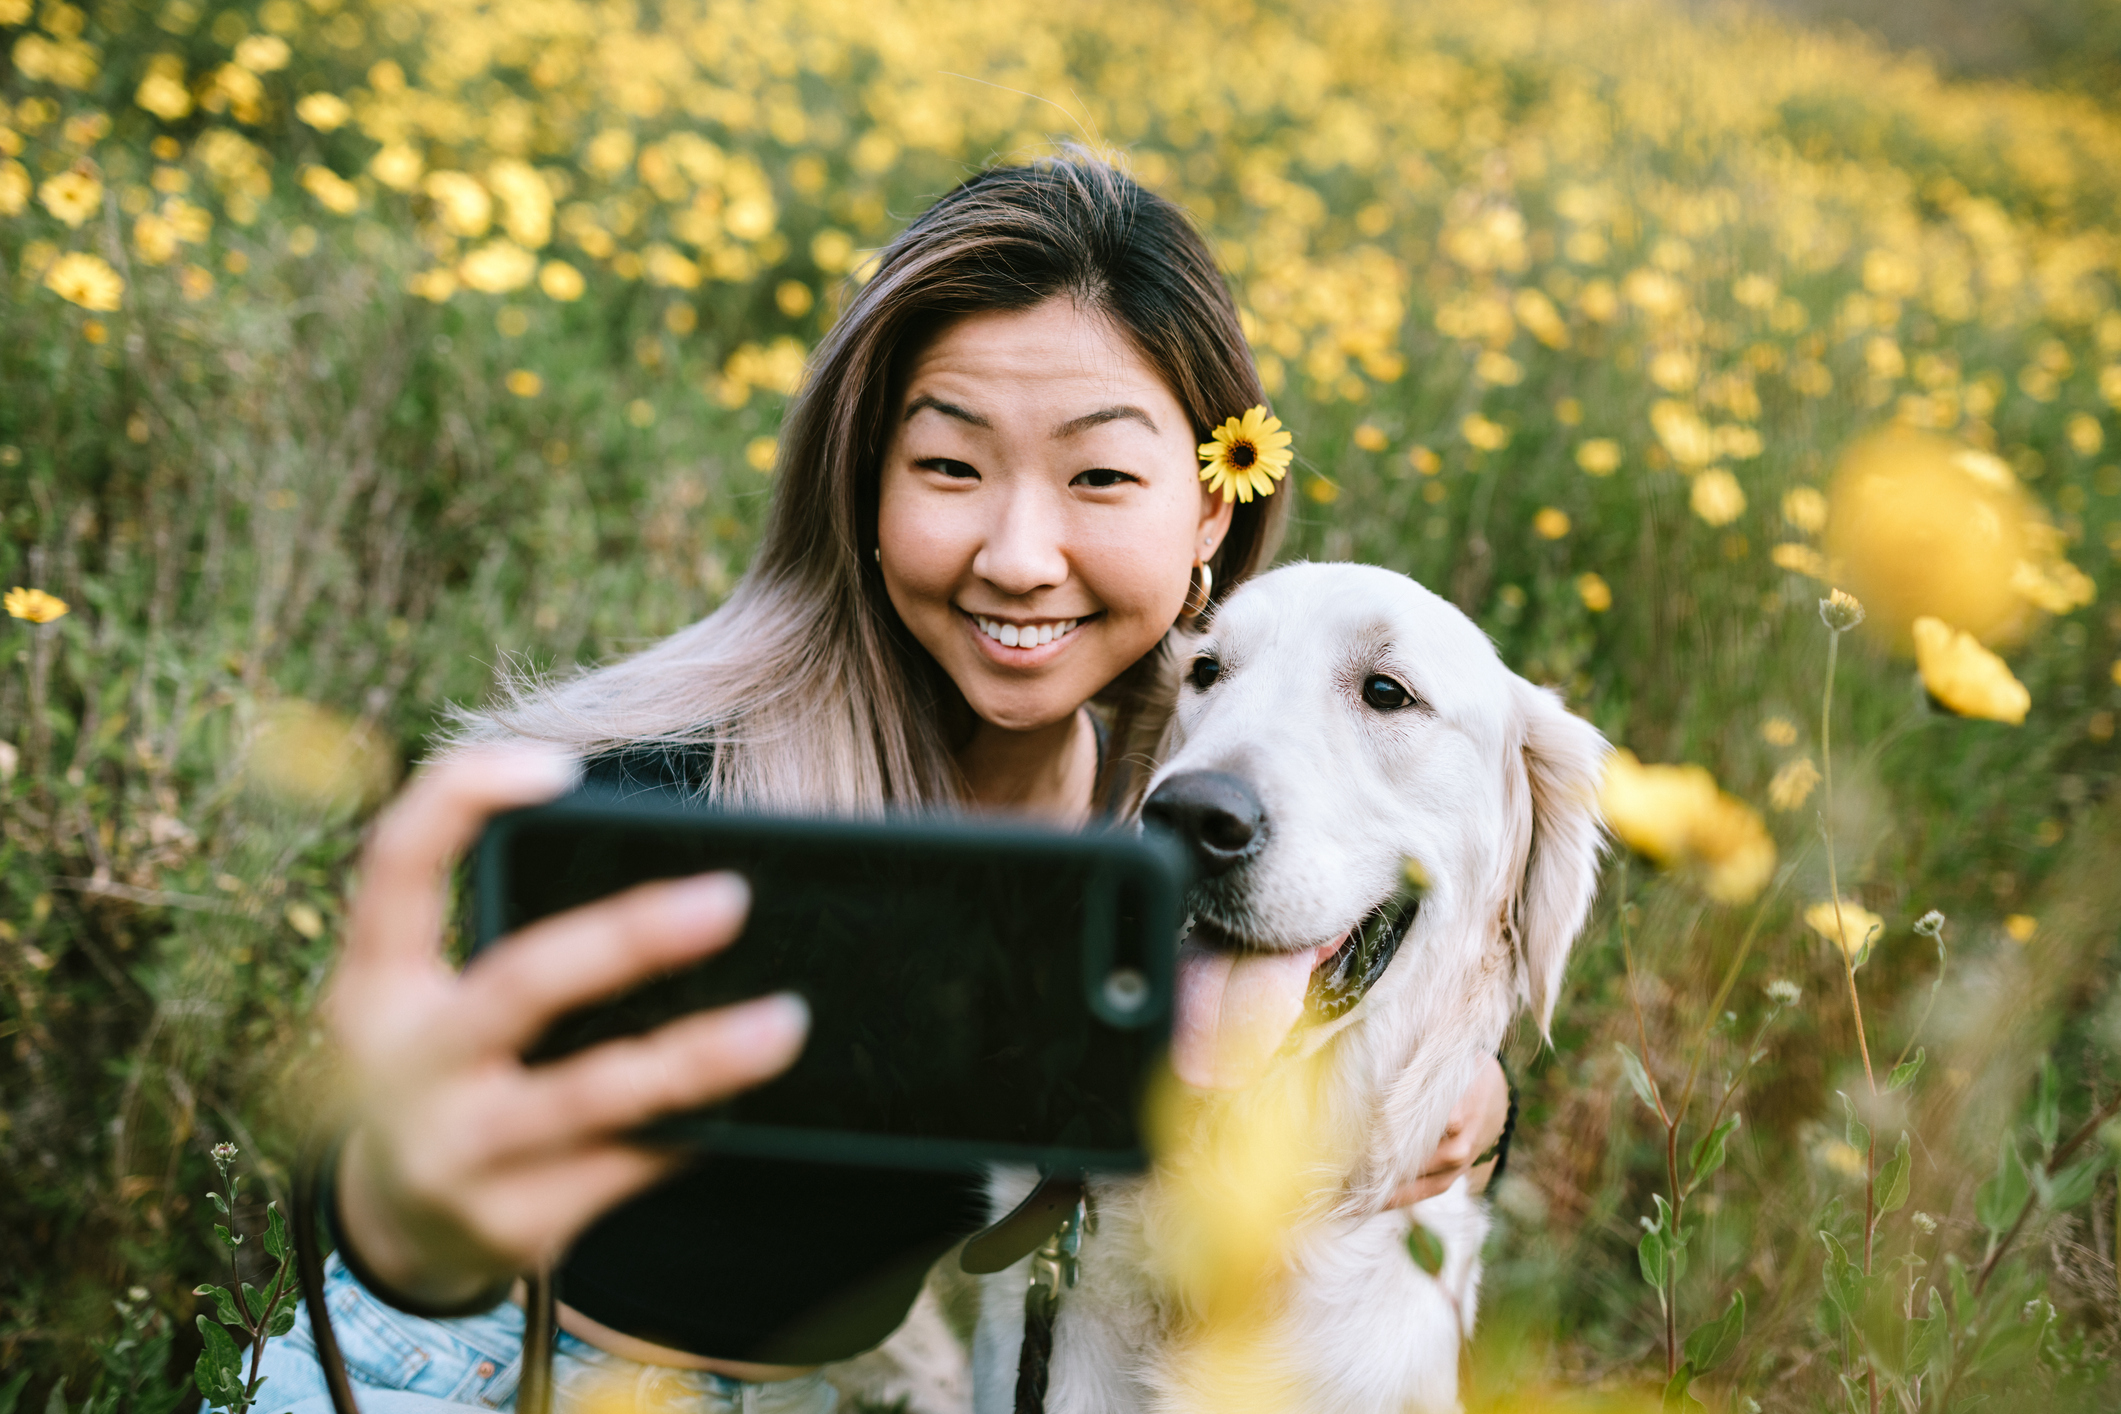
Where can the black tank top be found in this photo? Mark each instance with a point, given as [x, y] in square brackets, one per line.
[754, 1259]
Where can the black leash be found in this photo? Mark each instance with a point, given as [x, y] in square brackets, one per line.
[315, 1215]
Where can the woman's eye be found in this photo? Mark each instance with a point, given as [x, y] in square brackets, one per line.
[1101, 477]
[1385, 694]
[1203, 672]
[949, 467]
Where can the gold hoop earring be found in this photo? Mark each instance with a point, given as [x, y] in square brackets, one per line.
[1207, 590]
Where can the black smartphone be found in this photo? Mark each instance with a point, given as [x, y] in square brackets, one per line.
[978, 992]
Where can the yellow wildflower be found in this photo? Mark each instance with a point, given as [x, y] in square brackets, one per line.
[397, 166]
[1371, 438]
[498, 267]
[1965, 677]
[14, 188]
[313, 758]
[85, 279]
[326, 112]
[1596, 594]
[463, 203]
[332, 191]
[1551, 523]
[1675, 816]
[1249, 454]
[2021, 927]
[34, 604]
[73, 196]
[1799, 559]
[154, 239]
[1600, 456]
[759, 453]
[1717, 497]
[162, 91]
[524, 384]
[1481, 432]
[1793, 784]
[560, 281]
[262, 53]
[1805, 508]
[1853, 929]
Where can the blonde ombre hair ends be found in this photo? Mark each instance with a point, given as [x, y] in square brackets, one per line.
[812, 694]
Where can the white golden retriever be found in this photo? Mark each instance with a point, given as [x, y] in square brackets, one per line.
[1334, 722]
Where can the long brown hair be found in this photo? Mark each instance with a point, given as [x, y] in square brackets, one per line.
[812, 692]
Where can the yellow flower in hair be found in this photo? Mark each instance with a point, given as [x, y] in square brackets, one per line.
[1249, 454]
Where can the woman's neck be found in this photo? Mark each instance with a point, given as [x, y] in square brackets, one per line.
[1049, 773]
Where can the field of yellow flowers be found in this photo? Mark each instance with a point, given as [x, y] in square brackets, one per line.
[352, 351]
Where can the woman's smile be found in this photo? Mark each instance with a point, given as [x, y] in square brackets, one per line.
[1020, 642]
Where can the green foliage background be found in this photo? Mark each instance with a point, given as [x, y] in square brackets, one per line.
[275, 475]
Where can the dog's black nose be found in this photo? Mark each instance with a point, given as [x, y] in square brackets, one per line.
[1215, 813]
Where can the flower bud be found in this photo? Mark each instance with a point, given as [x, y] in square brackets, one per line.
[1841, 611]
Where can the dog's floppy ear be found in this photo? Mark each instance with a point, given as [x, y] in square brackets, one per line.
[1564, 761]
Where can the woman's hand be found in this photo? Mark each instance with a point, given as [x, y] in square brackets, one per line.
[1475, 1124]
[464, 1165]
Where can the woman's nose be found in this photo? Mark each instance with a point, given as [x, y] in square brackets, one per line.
[1022, 551]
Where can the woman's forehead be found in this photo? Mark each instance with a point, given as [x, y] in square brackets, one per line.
[1065, 363]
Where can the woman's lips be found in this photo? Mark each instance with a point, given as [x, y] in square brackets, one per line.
[1037, 641]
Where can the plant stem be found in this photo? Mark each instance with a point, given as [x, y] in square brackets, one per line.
[2061, 1156]
[1671, 1268]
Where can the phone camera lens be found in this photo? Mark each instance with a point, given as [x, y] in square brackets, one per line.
[1126, 990]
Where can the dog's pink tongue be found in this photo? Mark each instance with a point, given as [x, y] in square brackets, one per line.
[1234, 1010]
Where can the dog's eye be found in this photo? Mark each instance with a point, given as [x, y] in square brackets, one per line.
[1203, 673]
[1385, 694]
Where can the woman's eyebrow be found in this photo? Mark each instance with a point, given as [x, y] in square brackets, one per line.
[1102, 416]
[946, 409]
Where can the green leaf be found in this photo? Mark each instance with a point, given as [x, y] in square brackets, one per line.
[1931, 1339]
[1424, 1246]
[11, 1392]
[1708, 1346]
[1651, 1253]
[2047, 1105]
[1891, 1187]
[219, 1371]
[1904, 1073]
[2074, 1184]
[283, 1321]
[2001, 1197]
[56, 1402]
[254, 1303]
[275, 1232]
[1631, 1066]
[1676, 1393]
[228, 1239]
[224, 1304]
[1857, 1132]
[1962, 1290]
[1708, 1156]
[1844, 1283]
[220, 1203]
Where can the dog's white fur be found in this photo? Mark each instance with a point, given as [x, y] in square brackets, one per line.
[1490, 785]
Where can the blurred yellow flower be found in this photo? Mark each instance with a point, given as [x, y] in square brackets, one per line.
[313, 758]
[1965, 677]
[14, 188]
[523, 383]
[497, 267]
[397, 166]
[1676, 817]
[463, 203]
[162, 91]
[1853, 929]
[85, 279]
[332, 191]
[1793, 784]
[1551, 523]
[1805, 508]
[1424, 460]
[2021, 927]
[560, 281]
[1322, 491]
[34, 604]
[1599, 456]
[1690, 440]
[72, 196]
[326, 112]
[1370, 437]
[436, 285]
[1716, 497]
[1596, 594]
[1484, 434]
[760, 452]
[1247, 456]
[262, 53]
[155, 240]
[1799, 559]
[305, 919]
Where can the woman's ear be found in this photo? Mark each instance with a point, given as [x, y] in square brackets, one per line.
[1214, 528]
[1564, 760]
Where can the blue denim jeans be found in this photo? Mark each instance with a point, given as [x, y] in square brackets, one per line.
[402, 1364]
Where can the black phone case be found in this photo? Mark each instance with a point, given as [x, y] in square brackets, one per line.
[978, 992]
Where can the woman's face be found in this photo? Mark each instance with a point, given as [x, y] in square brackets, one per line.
[1041, 509]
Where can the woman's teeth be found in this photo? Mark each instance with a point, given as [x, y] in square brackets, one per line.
[1025, 635]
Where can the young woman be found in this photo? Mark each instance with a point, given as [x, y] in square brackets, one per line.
[989, 516]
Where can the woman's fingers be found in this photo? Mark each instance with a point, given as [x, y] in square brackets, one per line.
[396, 917]
[513, 991]
[697, 1061]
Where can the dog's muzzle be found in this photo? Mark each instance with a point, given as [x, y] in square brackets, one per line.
[1217, 816]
